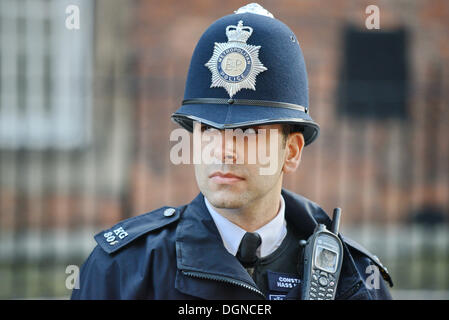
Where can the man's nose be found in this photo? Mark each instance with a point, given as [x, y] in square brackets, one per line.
[226, 152]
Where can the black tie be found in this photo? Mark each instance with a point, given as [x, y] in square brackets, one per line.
[247, 249]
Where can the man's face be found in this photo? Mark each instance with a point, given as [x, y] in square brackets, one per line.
[240, 173]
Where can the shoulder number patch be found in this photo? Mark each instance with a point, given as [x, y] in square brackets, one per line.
[116, 233]
[126, 231]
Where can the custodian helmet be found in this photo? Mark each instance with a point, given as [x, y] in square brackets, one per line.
[247, 69]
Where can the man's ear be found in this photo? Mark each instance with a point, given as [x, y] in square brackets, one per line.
[293, 151]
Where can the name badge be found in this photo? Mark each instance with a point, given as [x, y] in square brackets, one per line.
[279, 284]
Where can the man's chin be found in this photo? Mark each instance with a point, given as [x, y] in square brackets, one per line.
[226, 200]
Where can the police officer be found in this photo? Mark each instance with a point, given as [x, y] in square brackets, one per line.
[240, 237]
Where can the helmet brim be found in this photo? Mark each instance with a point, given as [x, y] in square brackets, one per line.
[237, 116]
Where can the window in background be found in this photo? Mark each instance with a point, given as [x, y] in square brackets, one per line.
[45, 75]
[373, 77]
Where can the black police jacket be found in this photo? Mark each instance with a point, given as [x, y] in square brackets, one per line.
[177, 253]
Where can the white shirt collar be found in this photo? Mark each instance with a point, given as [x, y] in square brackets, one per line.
[271, 233]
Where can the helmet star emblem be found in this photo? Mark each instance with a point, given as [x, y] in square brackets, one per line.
[234, 64]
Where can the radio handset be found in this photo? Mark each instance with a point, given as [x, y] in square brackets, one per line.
[323, 256]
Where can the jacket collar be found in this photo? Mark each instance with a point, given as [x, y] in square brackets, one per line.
[199, 248]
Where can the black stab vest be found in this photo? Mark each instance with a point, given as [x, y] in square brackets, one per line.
[278, 272]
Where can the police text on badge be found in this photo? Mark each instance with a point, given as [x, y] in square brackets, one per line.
[234, 64]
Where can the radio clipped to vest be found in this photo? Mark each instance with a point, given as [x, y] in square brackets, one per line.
[323, 256]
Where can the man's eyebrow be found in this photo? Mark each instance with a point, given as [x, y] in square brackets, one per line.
[249, 127]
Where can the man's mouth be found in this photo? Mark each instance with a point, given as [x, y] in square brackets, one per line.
[225, 178]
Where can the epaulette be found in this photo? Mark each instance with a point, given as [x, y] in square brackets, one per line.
[130, 229]
[375, 259]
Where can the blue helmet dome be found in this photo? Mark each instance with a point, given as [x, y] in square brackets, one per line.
[247, 69]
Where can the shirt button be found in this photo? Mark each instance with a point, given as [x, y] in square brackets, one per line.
[169, 212]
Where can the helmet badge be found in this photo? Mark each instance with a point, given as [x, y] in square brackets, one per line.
[234, 64]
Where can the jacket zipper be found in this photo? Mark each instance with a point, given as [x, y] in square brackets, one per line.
[232, 281]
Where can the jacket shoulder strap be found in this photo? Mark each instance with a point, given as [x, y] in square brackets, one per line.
[126, 231]
[375, 259]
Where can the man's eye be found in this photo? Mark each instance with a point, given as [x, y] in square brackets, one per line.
[206, 128]
[250, 131]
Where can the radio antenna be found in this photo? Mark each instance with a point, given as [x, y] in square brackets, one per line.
[336, 221]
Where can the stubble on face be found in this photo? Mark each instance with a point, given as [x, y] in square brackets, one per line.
[250, 189]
